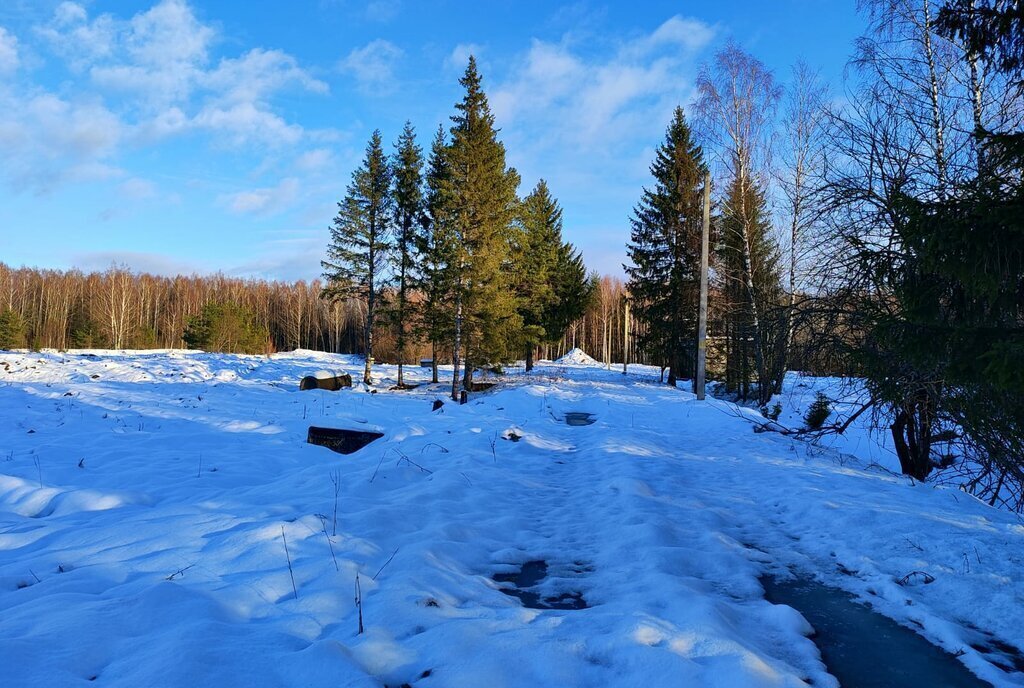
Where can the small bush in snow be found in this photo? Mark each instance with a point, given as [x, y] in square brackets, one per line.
[772, 413]
[818, 412]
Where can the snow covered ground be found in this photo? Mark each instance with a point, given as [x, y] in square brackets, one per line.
[144, 495]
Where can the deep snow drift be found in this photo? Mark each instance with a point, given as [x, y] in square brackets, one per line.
[145, 499]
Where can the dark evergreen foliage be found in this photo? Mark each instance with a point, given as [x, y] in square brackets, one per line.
[551, 281]
[749, 285]
[944, 346]
[228, 328]
[479, 193]
[818, 412]
[664, 251]
[357, 256]
[436, 249]
[12, 330]
[409, 216]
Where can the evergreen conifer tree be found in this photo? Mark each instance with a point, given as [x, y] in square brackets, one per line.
[664, 251]
[436, 246]
[749, 266]
[12, 330]
[573, 290]
[480, 194]
[537, 247]
[408, 203]
[360, 240]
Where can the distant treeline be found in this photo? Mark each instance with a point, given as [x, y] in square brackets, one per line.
[121, 309]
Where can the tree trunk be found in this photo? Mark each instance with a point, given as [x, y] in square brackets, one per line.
[911, 434]
[456, 345]
[367, 378]
[467, 372]
[529, 357]
[433, 362]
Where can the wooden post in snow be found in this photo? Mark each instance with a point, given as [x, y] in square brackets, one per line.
[702, 322]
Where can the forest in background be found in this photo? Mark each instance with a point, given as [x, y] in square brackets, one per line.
[122, 309]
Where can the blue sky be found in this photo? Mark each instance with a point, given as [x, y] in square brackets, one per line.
[187, 136]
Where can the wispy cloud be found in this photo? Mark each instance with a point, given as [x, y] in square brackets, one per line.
[382, 10]
[8, 52]
[149, 77]
[593, 100]
[373, 65]
[459, 56]
[137, 189]
[153, 263]
[314, 160]
[571, 110]
[263, 201]
[48, 140]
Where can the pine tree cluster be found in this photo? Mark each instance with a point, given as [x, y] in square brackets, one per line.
[445, 251]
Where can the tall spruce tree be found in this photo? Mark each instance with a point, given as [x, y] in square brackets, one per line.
[480, 191]
[357, 256]
[537, 248]
[664, 250]
[437, 255]
[749, 266]
[574, 290]
[408, 203]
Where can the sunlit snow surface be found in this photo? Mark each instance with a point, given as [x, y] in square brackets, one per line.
[143, 497]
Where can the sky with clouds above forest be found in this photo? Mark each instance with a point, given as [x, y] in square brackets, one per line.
[186, 136]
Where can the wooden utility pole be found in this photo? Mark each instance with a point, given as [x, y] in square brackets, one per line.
[702, 322]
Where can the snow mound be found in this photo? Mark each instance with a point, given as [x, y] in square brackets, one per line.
[577, 356]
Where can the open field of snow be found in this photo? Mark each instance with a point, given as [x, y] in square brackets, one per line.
[145, 499]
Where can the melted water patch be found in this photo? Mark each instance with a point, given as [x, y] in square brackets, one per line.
[530, 575]
[864, 649]
[341, 440]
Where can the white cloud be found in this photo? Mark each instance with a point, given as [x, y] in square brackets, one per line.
[314, 160]
[373, 65]
[459, 56]
[159, 61]
[157, 54]
[264, 201]
[137, 189]
[76, 39]
[244, 123]
[382, 10]
[48, 140]
[690, 34]
[257, 75]
[8, 52]
[294, 258]
[149, 76]
[152, 263]
[162, 125]
[597, 99]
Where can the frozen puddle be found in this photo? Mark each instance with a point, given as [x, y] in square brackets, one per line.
[864, 649]
[578, 418]
[524, 584]
[340, 440]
